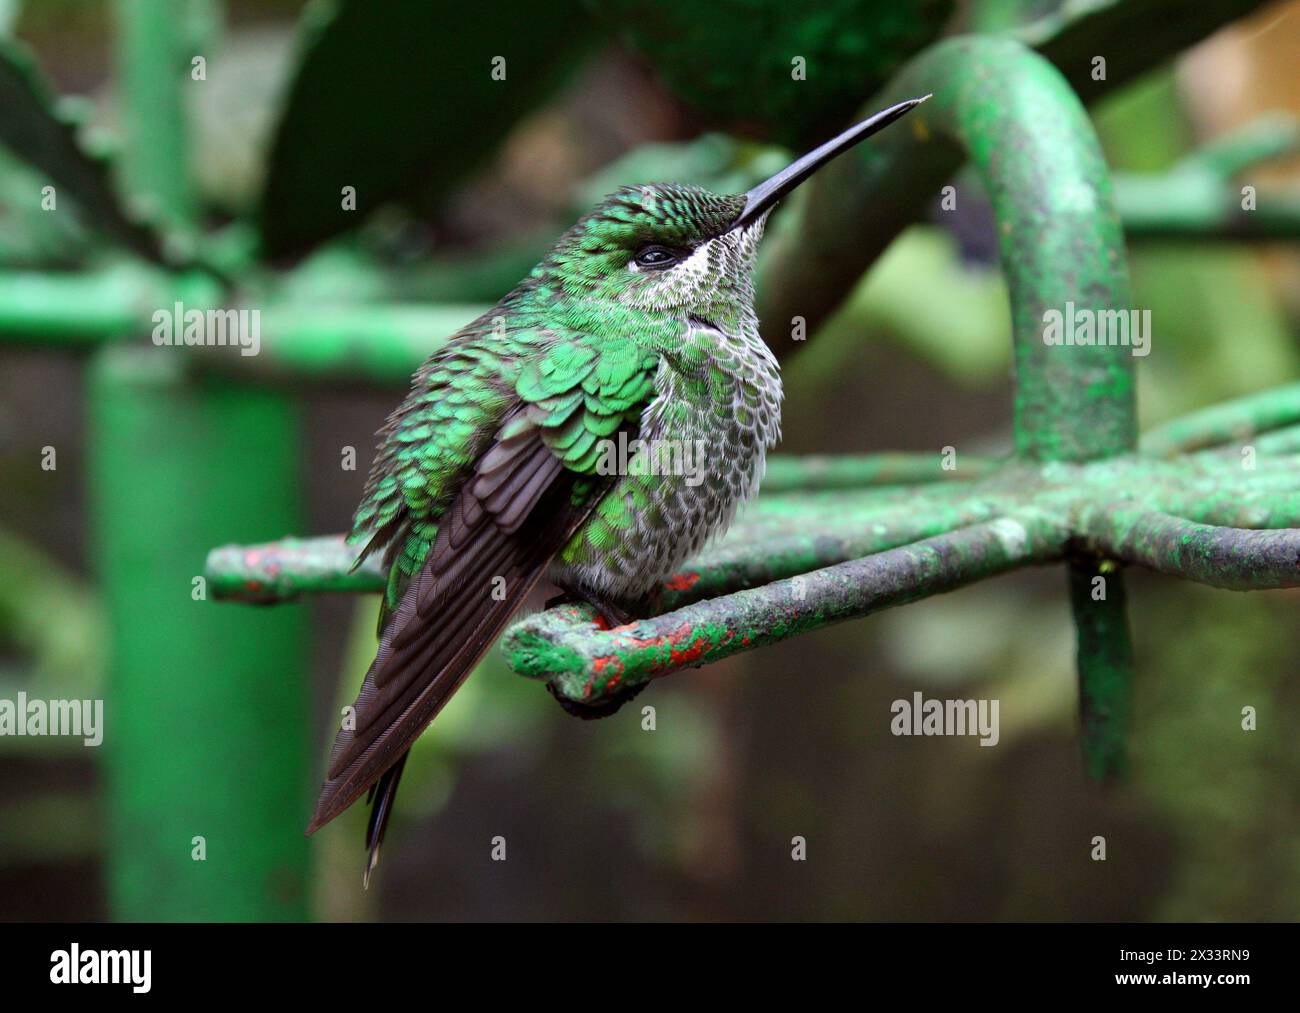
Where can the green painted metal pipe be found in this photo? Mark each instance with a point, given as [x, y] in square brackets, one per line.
[207, 709]
[90, 308]
[207, 752]
[151, 64]
[570, 648]
[1234, 558]
[1238, 419]
[1029, 139]
[1177, 208]
[785, 534]
[1104, 657]
[289, 568]
[350, 342]
[786, 472]
[780, 536]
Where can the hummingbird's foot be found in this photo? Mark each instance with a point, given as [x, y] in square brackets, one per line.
[590, 712]
[651, 603]
[611, 611]
[614, 613]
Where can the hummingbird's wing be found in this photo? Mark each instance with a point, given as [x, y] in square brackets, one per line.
[528, 491]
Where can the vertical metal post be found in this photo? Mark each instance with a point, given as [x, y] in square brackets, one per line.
[1104, 657]
[206, 716]
[152, 67]
[206, 710]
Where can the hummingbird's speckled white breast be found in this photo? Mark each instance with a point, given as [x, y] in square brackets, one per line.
[706, 434]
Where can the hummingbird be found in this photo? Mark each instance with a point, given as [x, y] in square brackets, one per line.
[494, 473]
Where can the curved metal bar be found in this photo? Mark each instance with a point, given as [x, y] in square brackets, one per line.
[1026, 134]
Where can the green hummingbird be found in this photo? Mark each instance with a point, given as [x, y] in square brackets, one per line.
[495, 471]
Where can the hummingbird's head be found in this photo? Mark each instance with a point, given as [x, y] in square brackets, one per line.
[680, 249]
[657, 247]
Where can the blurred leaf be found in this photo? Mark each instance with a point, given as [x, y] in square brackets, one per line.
[920, 296]
[383, 100]
[9, 11]
[1144, 128]
[41, 132]
[29, 236]
[50, 615]
[232, 116]
[734, 59]
[1222, 330]
[956, 317]
[51, 622]
[713, 161]
[1075, 34]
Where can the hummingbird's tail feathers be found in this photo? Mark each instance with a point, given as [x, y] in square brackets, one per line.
[382, 795]
[511, 517]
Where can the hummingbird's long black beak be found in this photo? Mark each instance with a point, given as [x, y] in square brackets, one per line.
[766, 194]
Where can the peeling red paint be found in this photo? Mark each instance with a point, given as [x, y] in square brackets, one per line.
[693, 653]
[683, 581]
[685, 647]
[598, 665]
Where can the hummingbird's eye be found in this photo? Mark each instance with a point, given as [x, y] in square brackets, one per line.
[655, 256]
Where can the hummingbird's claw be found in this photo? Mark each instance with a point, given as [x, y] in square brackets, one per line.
[591, 712]
[612, 612]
